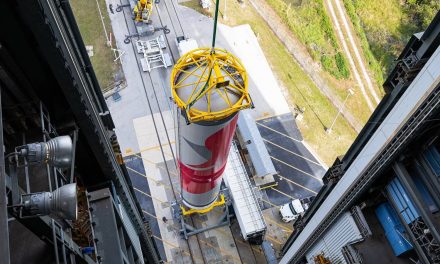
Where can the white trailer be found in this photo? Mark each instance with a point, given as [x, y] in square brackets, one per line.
[244, 201]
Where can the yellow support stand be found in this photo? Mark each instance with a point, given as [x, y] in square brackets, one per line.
[269, 186]
[191, 211]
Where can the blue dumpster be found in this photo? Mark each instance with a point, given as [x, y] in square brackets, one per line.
[393, 229]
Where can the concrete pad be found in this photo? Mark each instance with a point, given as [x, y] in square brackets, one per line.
[264, 89]
[247, 252]
[155, 171]
[226, 251]
[278, 231]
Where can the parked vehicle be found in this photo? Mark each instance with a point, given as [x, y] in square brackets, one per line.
[291, 211]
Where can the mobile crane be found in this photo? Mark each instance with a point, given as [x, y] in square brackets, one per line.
[142, 11]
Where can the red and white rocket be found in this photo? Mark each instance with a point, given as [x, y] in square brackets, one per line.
[203, 145]
[203, 152]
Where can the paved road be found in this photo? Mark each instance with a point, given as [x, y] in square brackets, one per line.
[299, 171]
[347, 52]
[349, 31]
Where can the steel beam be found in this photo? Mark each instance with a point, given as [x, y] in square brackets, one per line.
[4, 233]
[416, 197]
[188, 230]
[62, 39]
[108, 244]
[15, 188]
[72, 166]
[429, 178]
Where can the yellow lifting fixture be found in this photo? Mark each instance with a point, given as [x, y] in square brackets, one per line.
[209, 84]
[142, 11]
[221, 201]
[210, 71]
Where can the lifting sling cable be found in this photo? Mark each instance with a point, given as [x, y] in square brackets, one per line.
[214, 35]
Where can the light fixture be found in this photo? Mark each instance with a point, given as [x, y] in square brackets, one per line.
[62, 203]
[56, 152]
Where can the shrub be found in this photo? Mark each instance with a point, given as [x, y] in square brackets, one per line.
[342, 65]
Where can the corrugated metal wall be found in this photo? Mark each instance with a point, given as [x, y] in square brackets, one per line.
[342, 232]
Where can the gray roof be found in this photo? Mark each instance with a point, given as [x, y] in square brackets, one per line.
[257, 150]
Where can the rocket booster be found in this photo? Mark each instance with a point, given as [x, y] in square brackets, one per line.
[209, 89]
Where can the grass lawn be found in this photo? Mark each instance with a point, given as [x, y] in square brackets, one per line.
[319, 112]
[385, 28]
[308, 20]
[90, 25]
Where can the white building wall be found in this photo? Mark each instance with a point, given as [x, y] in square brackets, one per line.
[341, 233]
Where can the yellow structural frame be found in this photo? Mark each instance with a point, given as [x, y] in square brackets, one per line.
[191, 211]
[269, 186]
[213, 62]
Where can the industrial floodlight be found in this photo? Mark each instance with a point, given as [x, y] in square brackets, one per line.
[56, 152]
[62, 203]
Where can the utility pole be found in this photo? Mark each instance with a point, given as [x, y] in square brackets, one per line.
[329, 129]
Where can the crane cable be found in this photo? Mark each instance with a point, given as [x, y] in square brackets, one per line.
[214, 36]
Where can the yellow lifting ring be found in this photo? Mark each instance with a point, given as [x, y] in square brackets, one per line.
[205, 73]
